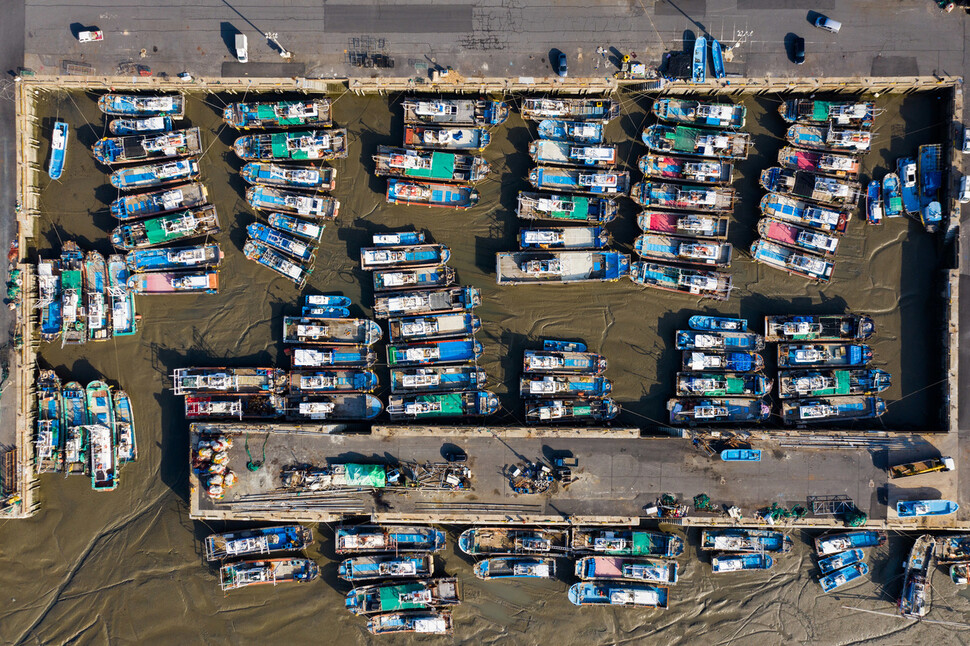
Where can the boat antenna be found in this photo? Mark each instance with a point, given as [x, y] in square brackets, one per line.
[251, 464]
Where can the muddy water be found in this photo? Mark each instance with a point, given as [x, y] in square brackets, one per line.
[125, 567]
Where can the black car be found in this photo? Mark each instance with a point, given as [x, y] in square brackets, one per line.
[798, 50]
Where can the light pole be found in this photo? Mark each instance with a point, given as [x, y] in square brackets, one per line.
[272, 37]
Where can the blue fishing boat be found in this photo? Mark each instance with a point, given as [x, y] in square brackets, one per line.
[686, 169]
[387, 538]
[143, 126]
[811, 186]
[136, 105]
[478, 403]
[48, 437]
[717, 57]
[580, 109]
[730, 361]
[436, 326]
[705, 199]
[804, 213]
[437, 379]
[906, 169]
[404, 595]
[618, 594]
[717, 324]
[166, 229]
[554, 266]
[348, 356]
[892, 196]
[49, 298]
[930, 179]
[829, 138]
[565, 386]
[175, 282]
[849, 355]
[874, 207]
[626, 568]
[579, 411]
[242, 574]
[830, 327]
[727, 563]
[157, 147]
[174, 258]
[568, 209]
[327, 300]
[96, 296]
[446, 138]
[515, 567]
[626, 542]
[555, 345]
[792, 235]
[290, 245]
[121, 300]
[722, 384]
[432, 301]
[953, 548]
[267, 198]
[74, 322]
[913, 508]
[832, 411]
[129, 179]
[838, 561]
[720, 340]
[420, 255]
[567, 153]
[429, 165]
[512, 540]
[262, 540]
[386, 566]
[143, 205]
[700, 113]
[272, 259]
[814, 111]
[308, 382]
[334, 407]
[325, 312]
[827, 163]
[580, 181]
[741, 455]
[842, 576]
[279, 114]
[561, 361]
[297, 226]
[456, 112]
[689, 251]
[564, 238]
[298, 146]
[282, 176]
[75, 412]
[124, 427]
[698, 71]
[736, 410]
[581, 132]
[683, 140]
[416, 278]
[398, 239]
[411, 192]
[58, 149]
[737, 539]
[426, 353]
[832, 382]
[792, 261]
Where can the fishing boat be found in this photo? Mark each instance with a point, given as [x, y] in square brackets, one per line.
[892, 196]
[479, 541]
[824, 327]
[578, 109]
[49, 298]
[409, 256]
[581, 132]
[724, 384]
[566, 153]
[386, 566]
[689, 251]
[120, 299]
[847, 355]
[626, 568]
[233, 406]
[418, 278]
[326, 300]
[709, 199]
[953, 548]
[626, 542]
[719, 340]
[301, 250]
[58, 149]
[334, 407]
[606, 182]
[960, 573]
[914, 508]
[906, 169]
[618, 594]
[792, 261]
[153, 232]
[915, 598]
[166, 145]
[477, 403]
[831, 411]
[557, 345]
[841, 542]
[698, 70]
[716, 324]
[96, 297]
[174, 258]
[843, 113]
[242, 574]
[727, 563]
[103, 456]
[308, 382]
[792, 235]
[75, 429]
[456, 112]
[829, 138]
[435, 326]
[436, 379]
[730, 361]
[564, 386]
[136, 177]
[930, 179]
[412, 192]
[826, 163]
[838, 561]
[242, 381]
[522, 267]
[581, 411]
[140, 126]
[302, 145]
[137, 105]
[842, 576]
[311, 231]
[421, 622]
[690, 224]
[347, 356]
[282, 176]
[426, 353]
[692, 412]
[124, 427]
[331, 331]
[830, 383]
[560, 361]
[398, 239]
[262, 540]
[700, 113]
[412, 595]
[515, 567]
[142, 205]
[686, 169]
[175, 282]
[98, 402]
[566, 208]
[49, 433]
[272, 259]
[351, 539]
[267, 198]
[741, 455]
[429, 165]
[745, 540]
[683, 140]
[717, 58]
[278, 114]
[804, 213]
[806, 185]
[432, 301]
[446, 138]
[564, 238]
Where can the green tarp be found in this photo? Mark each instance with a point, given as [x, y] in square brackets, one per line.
[442, 167]
[685, 139]
[365, 475]
[391, 597]
[641, 543]
[451, 404]
[580, 210]
[820, 110]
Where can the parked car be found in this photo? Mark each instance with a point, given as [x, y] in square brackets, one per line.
[561, 66]
[828, 24]
[798, 50]
[964, 195]
[90, 36]
[966, 140]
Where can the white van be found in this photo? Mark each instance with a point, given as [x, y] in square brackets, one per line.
[964, 196]
[828, 24]
[242, 48]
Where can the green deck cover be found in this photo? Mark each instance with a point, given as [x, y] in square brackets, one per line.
[365, 475]
[735, 385]
[685, 138]
[442, 167]
[71, 279]
[580, 210]
[391, 597]
[156, 233]
[641, 543]
[451, 404]
[265, 111]
[279, 146]
[842, 379]
[820, 110]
